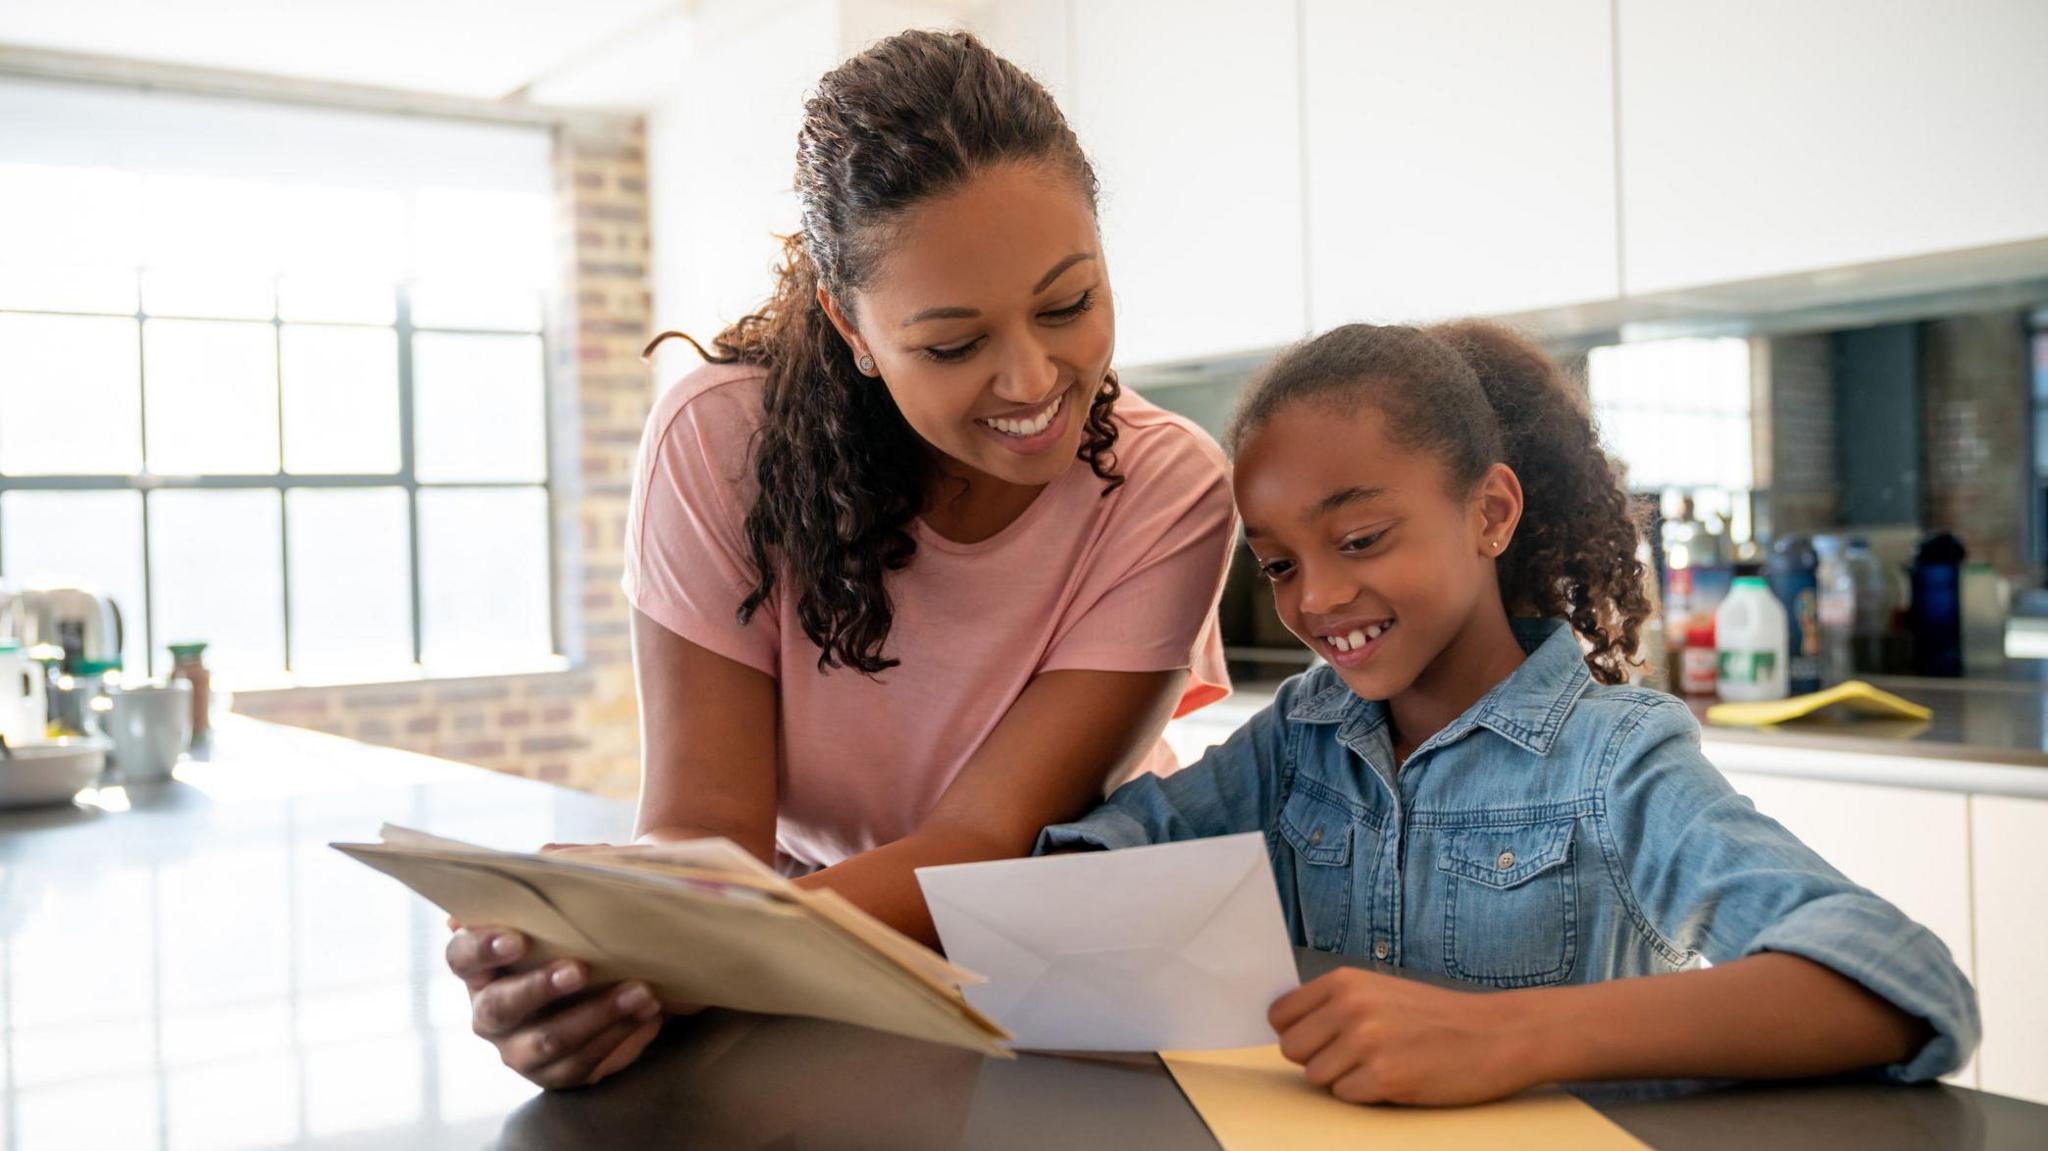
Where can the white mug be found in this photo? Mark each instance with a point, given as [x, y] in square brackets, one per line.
[150, 726]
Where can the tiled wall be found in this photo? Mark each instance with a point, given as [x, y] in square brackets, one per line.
[1973, 398]
[1805, 487]
[580, 726]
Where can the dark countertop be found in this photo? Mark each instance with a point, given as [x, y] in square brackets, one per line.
[189, 965]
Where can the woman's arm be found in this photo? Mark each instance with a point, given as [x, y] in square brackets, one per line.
[707, 739]
[1046, 761]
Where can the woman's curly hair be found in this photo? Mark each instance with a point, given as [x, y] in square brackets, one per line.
[841, 475]
[1475, 394]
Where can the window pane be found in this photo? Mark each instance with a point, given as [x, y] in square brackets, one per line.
[350, 232]
[475, 304]
[483, 578]
[68, 238]
[79, 539]
[227, 295]
[351, 582]
[488, 237]
[478, 408]
[336, 299]
[216, 574]
[212, 397]
[201, 224]
[340, 400]
[70, 403]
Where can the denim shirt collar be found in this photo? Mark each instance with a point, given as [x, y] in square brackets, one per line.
[1527, 708]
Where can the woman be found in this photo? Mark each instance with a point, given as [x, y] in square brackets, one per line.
[912, 577]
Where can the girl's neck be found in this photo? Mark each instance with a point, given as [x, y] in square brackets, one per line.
[1483, 653]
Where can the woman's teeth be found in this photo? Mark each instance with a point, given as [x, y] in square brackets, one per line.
[1023, 429]
[1358, 637]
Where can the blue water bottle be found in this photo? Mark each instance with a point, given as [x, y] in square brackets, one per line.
[1795, 580]
[1938, 605]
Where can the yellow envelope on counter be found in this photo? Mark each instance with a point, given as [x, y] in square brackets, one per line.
[1854, 696]
[1253, 1099]
[701, 922]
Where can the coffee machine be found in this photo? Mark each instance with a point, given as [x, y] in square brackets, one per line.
[84, 623]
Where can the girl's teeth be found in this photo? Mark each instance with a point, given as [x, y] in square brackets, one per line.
[1356, 638]
[1024, 428]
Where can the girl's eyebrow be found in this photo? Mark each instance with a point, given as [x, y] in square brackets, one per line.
[1343, 497]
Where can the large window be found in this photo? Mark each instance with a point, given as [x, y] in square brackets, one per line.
[303, 421]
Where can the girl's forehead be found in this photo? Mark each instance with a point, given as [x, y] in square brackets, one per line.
[1310, 461]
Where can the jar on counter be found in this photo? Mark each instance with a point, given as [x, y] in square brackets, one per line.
[188, 664]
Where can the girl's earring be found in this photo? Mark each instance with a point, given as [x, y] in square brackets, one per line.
[867, 365]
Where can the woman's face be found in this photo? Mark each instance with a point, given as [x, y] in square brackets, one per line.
[990, 322]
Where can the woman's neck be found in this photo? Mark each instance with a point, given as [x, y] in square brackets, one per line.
[1483, 653]
[968, 506]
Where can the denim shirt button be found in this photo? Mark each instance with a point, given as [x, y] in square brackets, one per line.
[1380, 950]
[1506, 860]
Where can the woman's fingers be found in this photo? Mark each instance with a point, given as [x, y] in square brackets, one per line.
[505, 1004]
[596, 1044]
[630, 1049]
[480, 952]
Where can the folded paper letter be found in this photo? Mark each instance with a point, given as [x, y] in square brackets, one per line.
[1172, 947]
[702, 923]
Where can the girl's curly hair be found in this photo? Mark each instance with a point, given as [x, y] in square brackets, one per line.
[1474, 394]
[841, 475]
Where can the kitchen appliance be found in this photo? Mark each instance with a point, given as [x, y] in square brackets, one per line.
[85, 623]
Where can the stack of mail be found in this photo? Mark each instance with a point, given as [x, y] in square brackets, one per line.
[701, 922]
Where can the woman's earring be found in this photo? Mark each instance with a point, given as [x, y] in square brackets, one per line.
[867, 365]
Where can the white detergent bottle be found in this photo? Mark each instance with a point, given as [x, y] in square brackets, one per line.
[1752, 641]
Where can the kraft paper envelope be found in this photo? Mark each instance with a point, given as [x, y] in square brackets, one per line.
[699, 926]
[1177, 946]
[1255, 1100]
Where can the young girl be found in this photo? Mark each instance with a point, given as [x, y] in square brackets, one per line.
[1468, 788]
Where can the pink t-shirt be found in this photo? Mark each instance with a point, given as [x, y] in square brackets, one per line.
[1124, 582]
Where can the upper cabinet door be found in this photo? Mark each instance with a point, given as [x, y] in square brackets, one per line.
[1191, 113]
[1762, 138]
[1460, 157]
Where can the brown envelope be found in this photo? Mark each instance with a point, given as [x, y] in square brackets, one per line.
[697, 934]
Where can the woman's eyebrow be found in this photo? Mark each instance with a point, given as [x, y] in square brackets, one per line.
[969, 313]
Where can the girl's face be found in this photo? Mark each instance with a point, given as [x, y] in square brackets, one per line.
[1375, 563]
[990, 322]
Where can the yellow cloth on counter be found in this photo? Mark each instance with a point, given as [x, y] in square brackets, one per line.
[701, 922]
[1253, 1099]
[1855, 696]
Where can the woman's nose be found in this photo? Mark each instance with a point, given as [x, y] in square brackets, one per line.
[1027, 375]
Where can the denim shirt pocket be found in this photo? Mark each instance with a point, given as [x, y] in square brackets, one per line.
[1510, 904]
[1318, 831]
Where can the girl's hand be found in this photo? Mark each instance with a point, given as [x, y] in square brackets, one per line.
[1372, 1038]
[546, 1024]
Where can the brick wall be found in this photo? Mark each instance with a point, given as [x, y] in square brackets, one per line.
[1796, 444]
[579, 726]
[1974, 404]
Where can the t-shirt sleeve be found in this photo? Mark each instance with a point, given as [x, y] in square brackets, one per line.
[1149, 603]
[686, 563]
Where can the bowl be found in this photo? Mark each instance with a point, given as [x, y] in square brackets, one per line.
[43, 773]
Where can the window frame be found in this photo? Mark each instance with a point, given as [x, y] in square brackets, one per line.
[147, 483]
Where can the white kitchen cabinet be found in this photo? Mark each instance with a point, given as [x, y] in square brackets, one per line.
[1460, 158]
[1911, 847]
[2008, 836]
[1191, 114]
[1761, 138]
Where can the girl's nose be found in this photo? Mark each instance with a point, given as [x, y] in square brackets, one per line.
[1323, 591]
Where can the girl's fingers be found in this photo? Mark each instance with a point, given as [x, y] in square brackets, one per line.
[1295, 1006]
[503, 1005]
[1302, 1041]
[1336, 1060]
[1360, 1085]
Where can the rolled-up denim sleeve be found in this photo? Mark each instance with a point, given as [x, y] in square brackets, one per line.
[1231, 789]
[1706, 874]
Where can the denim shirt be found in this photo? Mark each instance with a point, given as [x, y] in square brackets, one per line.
[1559, 831]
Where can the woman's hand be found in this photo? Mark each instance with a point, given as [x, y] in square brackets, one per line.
[546, 1024]
[1372, 1038]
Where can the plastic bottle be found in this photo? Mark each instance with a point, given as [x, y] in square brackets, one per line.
[1938, 605]
[1795, 580]
[1837, 611]
[1873, 607]
[1751, 635]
